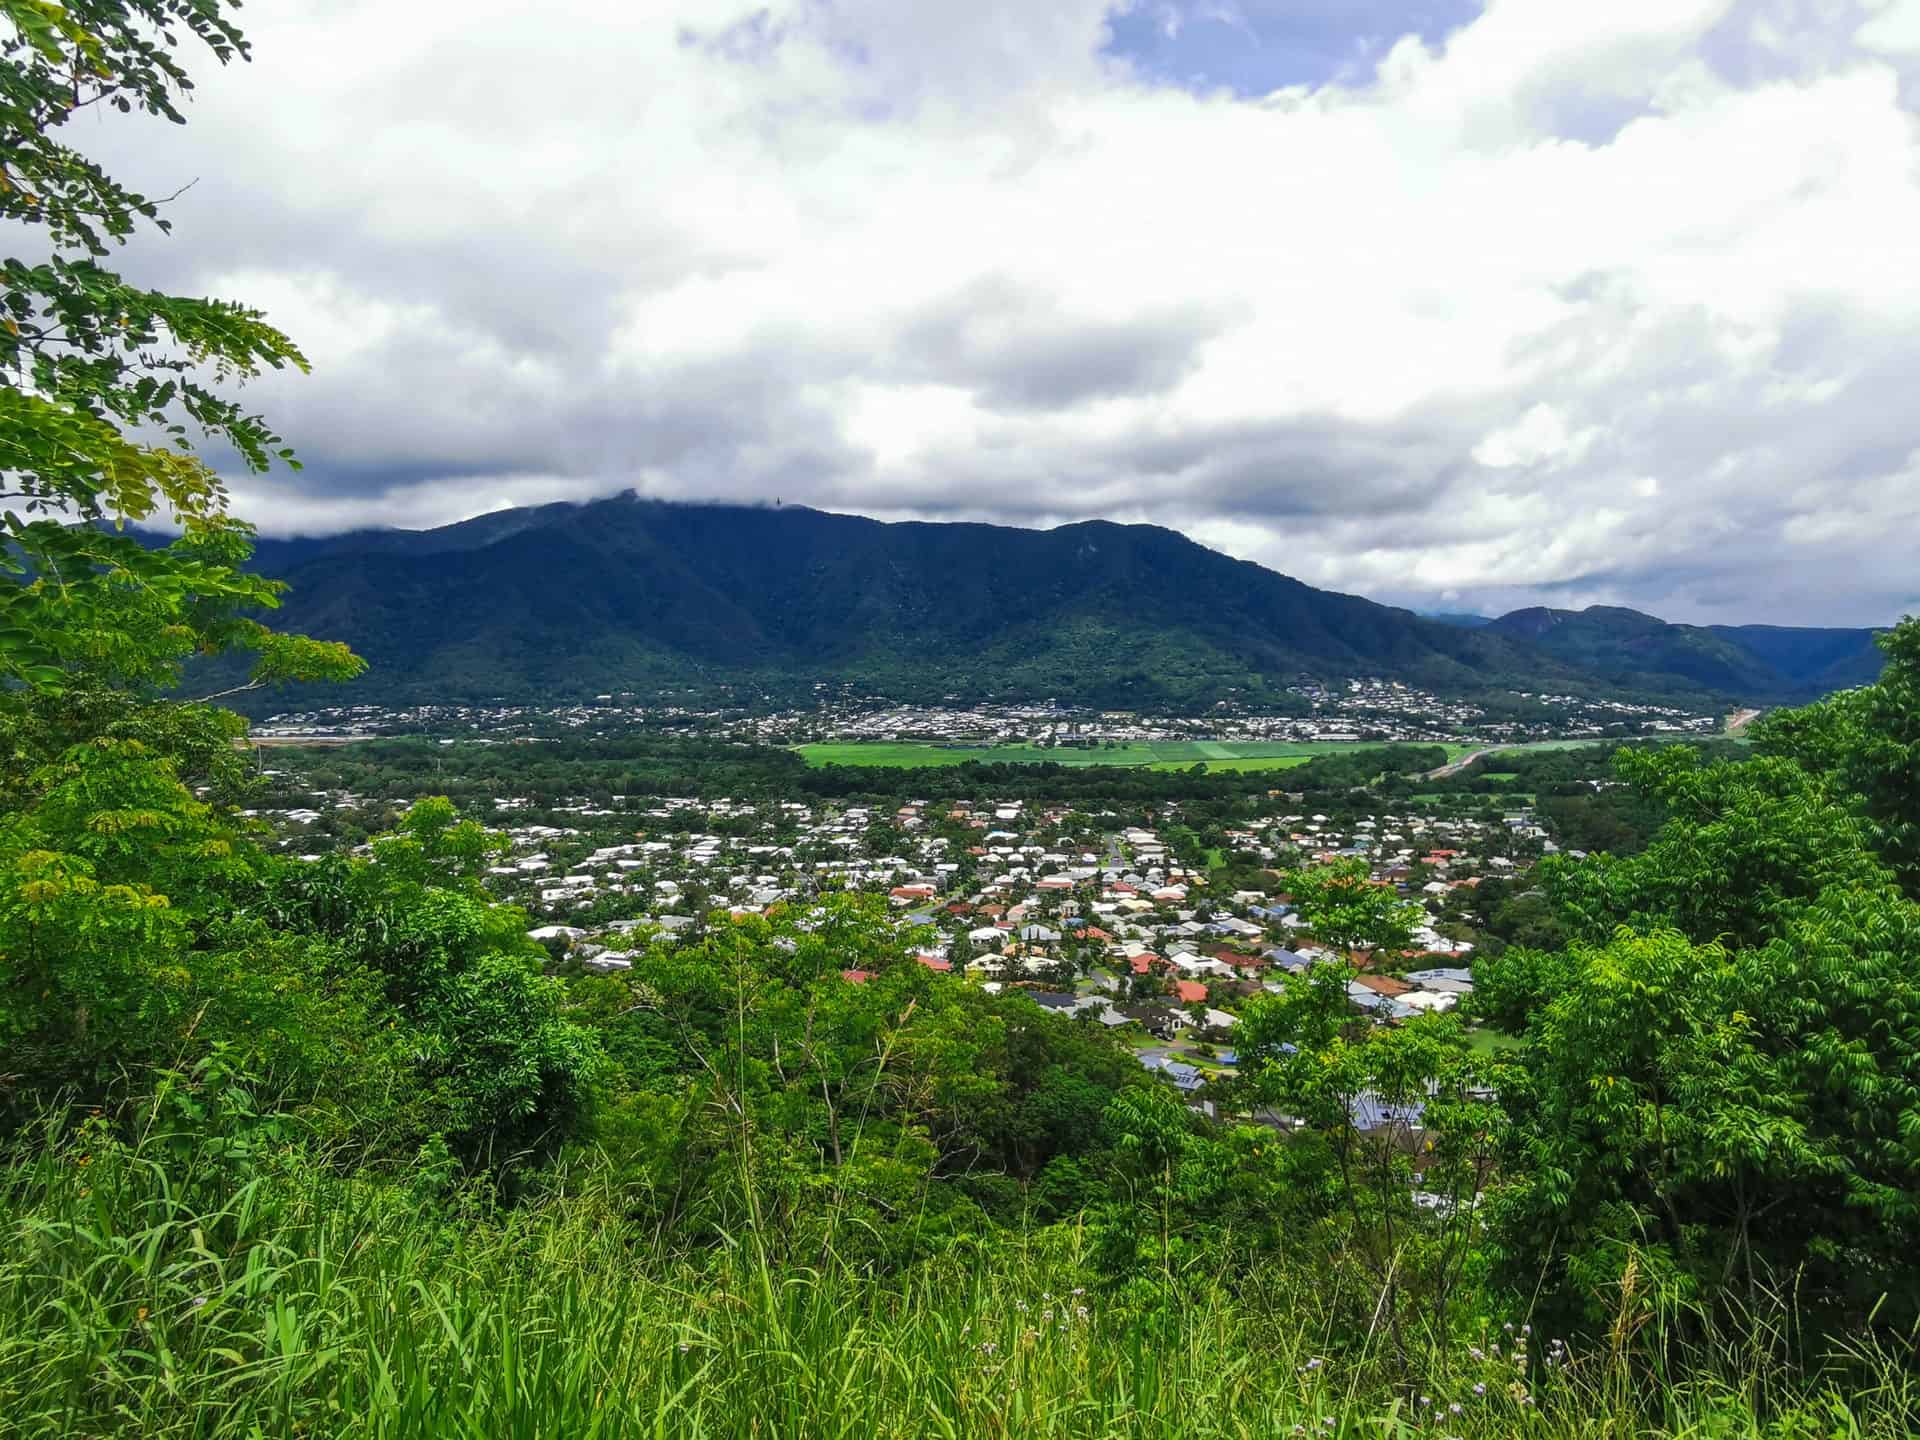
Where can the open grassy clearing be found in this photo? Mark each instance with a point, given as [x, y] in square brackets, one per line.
[1492, 1042]
[1164, 755]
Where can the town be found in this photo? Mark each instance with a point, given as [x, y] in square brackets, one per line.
[1157, 921]
[1353, 711]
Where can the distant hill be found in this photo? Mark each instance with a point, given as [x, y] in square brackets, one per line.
[1754, 662]
[1456, 617]
[564, 601]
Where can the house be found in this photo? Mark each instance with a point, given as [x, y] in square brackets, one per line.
[1371, 1113]
[1054, 1000]
[1190, 964]
[1190, 992]
[1186, 1078]
[1381, 1005]
[1385, 985]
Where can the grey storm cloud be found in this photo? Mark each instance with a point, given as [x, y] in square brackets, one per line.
[1019, 351]
[1526, 302]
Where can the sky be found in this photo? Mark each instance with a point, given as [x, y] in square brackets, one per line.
[1458, 305]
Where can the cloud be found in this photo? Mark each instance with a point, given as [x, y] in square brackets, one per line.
[1503, 303]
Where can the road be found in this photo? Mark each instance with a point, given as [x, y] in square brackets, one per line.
[1447, 772]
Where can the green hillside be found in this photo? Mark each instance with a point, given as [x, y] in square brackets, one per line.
[568, 601]
[1758, 663]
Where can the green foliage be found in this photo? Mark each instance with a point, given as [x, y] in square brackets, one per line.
[1722, 1074]
[210, 1279]
[1867, 742]
[1348, 910]
[86, 358]
[818, 1110]
[1742, 1114]
[1747, 844]
[500, 1065]
[1399, 1110]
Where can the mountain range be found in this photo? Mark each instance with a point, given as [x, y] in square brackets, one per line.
[1634, 650]
[567, 601]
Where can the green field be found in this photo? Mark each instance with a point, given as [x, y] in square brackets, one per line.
[1163, 755]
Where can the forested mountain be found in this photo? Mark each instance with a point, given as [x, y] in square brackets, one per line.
[628, 593]
[571, 600]
[1754, 662]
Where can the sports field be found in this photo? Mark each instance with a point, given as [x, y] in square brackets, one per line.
[1162, 755]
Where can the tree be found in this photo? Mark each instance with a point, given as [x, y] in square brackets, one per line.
[1348, 910]
[1746, 845]
[1398, 1108]
[87, 359]
[1867, 741]
[501, 1065]
[1739, 1120]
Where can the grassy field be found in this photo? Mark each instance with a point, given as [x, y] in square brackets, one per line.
[143, 1294]
[1164, 755]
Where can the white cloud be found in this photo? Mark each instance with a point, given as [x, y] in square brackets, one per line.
[1430, 332]
[1894, 28]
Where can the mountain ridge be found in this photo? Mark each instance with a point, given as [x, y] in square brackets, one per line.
[1629, 647]
[567, 600]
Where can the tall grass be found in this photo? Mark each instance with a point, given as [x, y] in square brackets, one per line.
[161, 1289]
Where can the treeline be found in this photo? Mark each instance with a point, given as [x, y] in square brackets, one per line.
[550, 772]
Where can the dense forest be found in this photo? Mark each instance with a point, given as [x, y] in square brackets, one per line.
[314, 1148]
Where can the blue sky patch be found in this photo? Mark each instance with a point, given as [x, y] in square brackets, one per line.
[1252, 47]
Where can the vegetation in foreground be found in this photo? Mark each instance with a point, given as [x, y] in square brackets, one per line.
[210, 1278]
[299, 1149]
